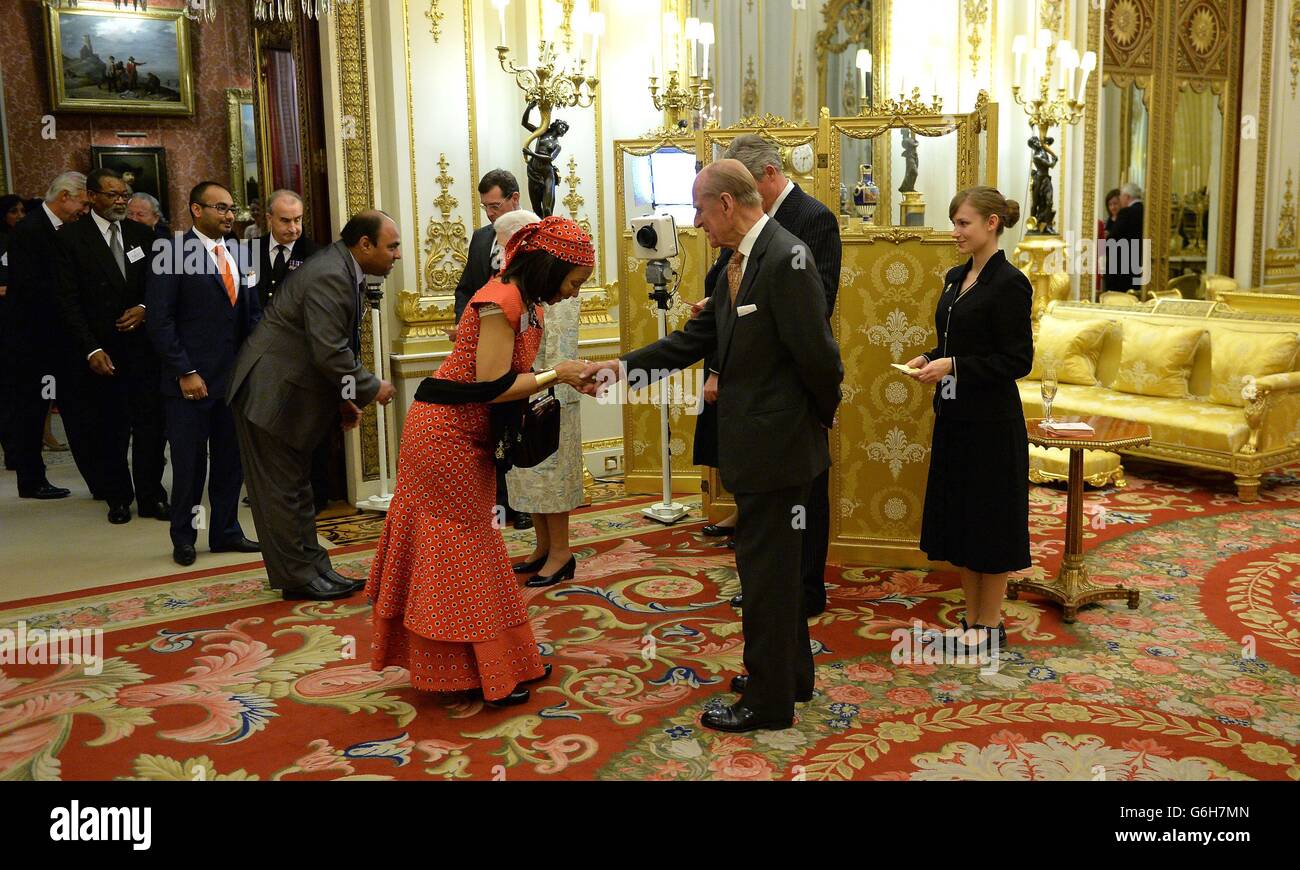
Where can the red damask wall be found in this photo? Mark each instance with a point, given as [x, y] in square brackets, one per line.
[196, 146]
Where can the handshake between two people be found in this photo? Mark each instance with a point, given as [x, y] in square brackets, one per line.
[589, 378]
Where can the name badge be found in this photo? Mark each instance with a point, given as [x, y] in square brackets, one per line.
[135, 254]
[746, 309]
[252, 278]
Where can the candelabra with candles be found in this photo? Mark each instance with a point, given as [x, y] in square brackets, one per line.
[1052, 107]
[691, 92]
[557, 79]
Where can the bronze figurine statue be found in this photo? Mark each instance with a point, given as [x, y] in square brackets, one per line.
[543, 171]
[1043, 208]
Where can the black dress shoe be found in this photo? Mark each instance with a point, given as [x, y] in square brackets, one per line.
[740, 682]
[339, 580]
[737, 718]
[731, 544]
[566, 573]
[320, 589]
[119, 513]
[158, 510]
[243, 545]
[738, 602]
[523, 522]
[530, 567]
[713, 530]
[45, 491]
[183, 554]
[546, 667]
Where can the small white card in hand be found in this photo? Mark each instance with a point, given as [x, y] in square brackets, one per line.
[904, 369]
[746, 309]
[135, 254]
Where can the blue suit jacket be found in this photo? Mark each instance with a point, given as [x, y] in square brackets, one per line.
[190, 319]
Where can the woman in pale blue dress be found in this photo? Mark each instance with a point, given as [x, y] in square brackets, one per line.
[550, 490]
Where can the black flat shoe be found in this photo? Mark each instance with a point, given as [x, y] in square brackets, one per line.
[518, 696]
[738, 718]
[738, 602]
[741, 682]
[45, 492]
[731, 544]
[566, 573]
[530, 567]
[523, 523]
[319, 589]
[243, 545]
[546, 666]
[184, 555]
[713, 530]
[119, 514]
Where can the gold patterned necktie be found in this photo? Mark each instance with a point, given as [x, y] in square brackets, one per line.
[734, 268]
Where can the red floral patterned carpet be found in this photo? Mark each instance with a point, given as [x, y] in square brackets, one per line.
[211, 676]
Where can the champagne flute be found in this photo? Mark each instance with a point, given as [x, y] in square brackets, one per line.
[1048, 389]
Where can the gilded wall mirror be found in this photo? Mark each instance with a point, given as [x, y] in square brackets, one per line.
[245, 165]
[1122, 158]
[1195, 219]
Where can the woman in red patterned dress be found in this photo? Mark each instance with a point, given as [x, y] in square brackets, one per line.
[447, 605]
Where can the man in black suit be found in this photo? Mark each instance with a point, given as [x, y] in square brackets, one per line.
[818, 228]
[201, 309]
[1124, 272]
[33, 333]
[109, 398]
[780, 373]
[498, 192]
[145, 209]
[293, 377]
[286, 248]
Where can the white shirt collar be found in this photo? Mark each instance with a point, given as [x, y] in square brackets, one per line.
[103, 224]
[54, 219]
[747, 243]
[276, 243]
[776, 206]
[208, 243]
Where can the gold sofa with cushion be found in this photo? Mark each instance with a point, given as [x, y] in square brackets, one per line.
[1244, 424]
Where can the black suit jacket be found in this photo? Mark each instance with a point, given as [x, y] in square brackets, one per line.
[33, 334]
[268, 279]
[191, 322]
[478, 267]
[93, 294]
[989, 337]
[780, 369]
[1129, 227]
[814, 225]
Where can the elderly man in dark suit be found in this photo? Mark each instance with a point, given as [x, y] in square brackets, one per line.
[295, 375]
[498, 192]
[109, 398]
[201, 309]
[1124, 271]
[818, 228]
[779, 371]
[33, 333]
[285, 248]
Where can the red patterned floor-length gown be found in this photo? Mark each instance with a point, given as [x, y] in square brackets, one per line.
[447, 605]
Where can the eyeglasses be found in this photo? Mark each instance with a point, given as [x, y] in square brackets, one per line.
[219, 208]
[125, 196]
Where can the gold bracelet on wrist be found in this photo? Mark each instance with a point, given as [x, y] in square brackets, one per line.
[545, 378]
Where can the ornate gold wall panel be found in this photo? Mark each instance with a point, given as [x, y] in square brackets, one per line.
[359, 183]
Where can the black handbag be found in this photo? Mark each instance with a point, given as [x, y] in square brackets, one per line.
[527, 431]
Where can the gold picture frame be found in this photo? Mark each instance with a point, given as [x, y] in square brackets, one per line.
[245, 158]
[82, 40]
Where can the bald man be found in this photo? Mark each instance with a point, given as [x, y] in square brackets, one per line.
[299, 369]
[779, 375]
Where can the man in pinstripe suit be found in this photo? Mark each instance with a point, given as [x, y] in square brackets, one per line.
[817, 227]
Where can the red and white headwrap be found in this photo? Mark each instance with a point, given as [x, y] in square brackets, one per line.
[560, 237]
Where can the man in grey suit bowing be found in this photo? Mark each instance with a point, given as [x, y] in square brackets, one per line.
[300, 367]
[779, 378]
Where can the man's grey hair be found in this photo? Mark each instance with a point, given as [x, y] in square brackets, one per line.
[278, 194]
[70, 182]
[756, 153]
[150, 201]
[512, 222]
[1133, 190]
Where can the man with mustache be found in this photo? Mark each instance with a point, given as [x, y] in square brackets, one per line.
[110, 400]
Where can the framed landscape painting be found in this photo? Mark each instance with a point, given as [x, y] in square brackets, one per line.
[104, 59]
[143, 168]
